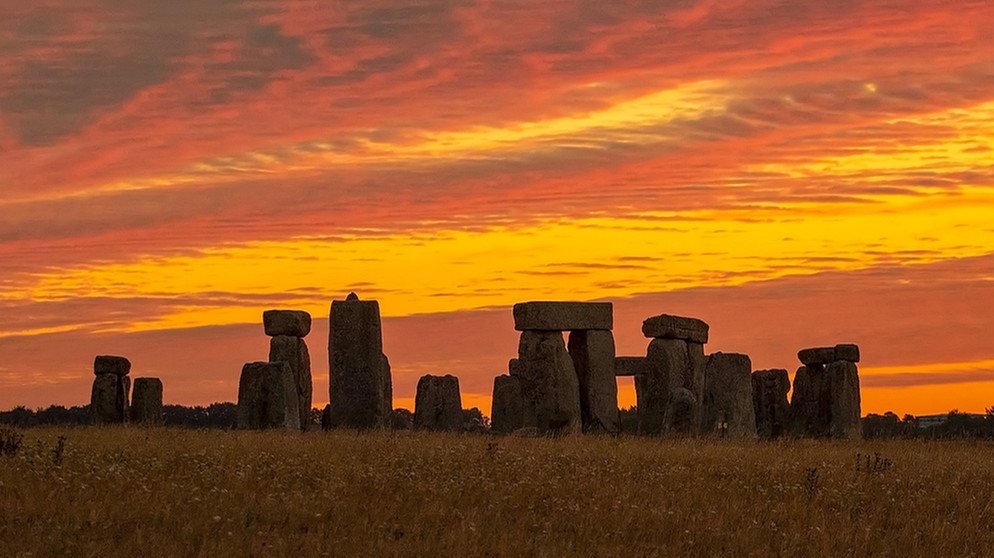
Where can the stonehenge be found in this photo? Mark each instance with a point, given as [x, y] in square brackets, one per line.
[267, 397]
[825, 402]
[111, 387]
[728, 396]
[438, 406]
[287, 329]
[674, 361]
[769, 401]
[360, 387]
[566, 390]
[507, 405]
[146, 401]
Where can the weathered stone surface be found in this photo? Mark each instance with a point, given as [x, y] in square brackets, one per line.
[438, 405]
[665, 326]
[514, 367]
[769, 399]
[563, 316]
[816, 355]
[108, 364]
[847, 351]
[843, 380]
[549, 384]
[295, 323]
[592, 352]
[671, 364]
[293, 351]
[146, 401]
[507, 406]
[629, 366]
[728, 401]
[109, 398]
[326, 418]
[682, 413]
[267, 397]
[360, 386]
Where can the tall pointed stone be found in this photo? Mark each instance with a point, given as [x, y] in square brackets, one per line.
[549, 383]
[359, 386]
[728, 401]
[593, 357]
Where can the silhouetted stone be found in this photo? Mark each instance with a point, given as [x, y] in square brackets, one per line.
[438, 405]
[682, 415]
[107, 364]
[514, 367]
[548, 383]
[360, 386]
[665, 326]
[728, 401]
[562, 316]
[293, 351]
[326, 418]
[671, 364]
[816, 355]
[629, 366]
[847, 351]
[295, 323]
[826, 401]
[267, 397]
[769, 397]
[507, 405]
[109, 398]
[844, 384]
[146, 401]
[592, 352]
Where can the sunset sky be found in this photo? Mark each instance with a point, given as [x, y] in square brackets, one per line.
[795, 173]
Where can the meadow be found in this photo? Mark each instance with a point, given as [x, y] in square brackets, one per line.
[172, 492]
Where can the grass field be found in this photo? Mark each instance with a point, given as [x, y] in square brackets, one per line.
[169, 492]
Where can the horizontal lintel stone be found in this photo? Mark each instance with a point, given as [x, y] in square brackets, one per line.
[630, 366]
[665, 326]
[294, 323]
[563, 316]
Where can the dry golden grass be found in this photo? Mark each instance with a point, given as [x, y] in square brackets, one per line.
[167, 492]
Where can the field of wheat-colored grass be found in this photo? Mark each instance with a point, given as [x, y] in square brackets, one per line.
[170, 492]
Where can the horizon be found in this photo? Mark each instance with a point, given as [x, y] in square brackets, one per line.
[794, 174]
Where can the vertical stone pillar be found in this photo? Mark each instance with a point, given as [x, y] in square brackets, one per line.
[267, 397]
[592, 351]
[674, 375]
[146, 401]
[507, 407]
[438, 405]
[287, 328]
[548, 382]
[769, 398]
[728, 399]
[359, 383]
[110, 391]
[826, 399]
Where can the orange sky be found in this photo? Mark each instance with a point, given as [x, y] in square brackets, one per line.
[795, 173]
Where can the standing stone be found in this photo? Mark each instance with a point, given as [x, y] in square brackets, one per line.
[769, 398]
[592, 352]
[548, 383]
[109, 398]
[267, 397]
[671, 364]
[682, 413]
[811, 402]
[293, 351]
[359, 383]
[507, 406]
[146, 401]
[107, 364]
[728, 400]
[844, 385]
[437, 405]
[295, 323]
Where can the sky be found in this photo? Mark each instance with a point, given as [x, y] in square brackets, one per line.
[795, 173]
